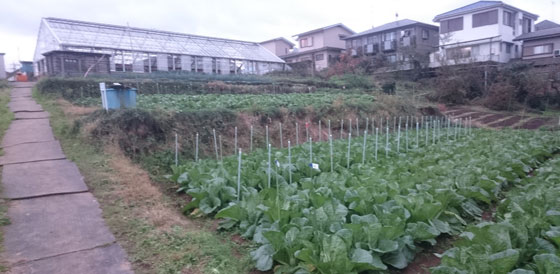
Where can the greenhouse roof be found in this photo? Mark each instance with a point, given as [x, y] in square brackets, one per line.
[72, 34]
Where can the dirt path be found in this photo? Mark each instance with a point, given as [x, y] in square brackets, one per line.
[56, 224]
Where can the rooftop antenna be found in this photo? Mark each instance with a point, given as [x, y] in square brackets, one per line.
[397, 16]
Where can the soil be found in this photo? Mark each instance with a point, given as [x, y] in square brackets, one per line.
[488, 214]
[507, 122]
[427, 258]
[488, 119]
[492, 118]
[535, 123]
[456, 112]
[477, 115]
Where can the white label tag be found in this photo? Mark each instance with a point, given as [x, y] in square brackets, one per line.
[314, 166]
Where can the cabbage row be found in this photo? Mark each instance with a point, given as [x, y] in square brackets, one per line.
[176, 102]
[366, 214]
[525, 237]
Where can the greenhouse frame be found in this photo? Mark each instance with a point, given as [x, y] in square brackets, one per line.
[70, 47]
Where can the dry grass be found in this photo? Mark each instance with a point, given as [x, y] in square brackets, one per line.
[135, 187]
[71, 110]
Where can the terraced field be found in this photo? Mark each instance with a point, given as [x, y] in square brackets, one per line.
[488, 119]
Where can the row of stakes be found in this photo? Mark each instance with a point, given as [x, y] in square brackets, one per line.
[461, 126]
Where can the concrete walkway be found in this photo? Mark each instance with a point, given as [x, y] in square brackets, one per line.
[56, 224]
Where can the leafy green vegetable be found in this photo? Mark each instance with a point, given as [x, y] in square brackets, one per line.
[373, 215]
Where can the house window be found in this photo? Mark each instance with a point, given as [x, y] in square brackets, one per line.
[319, 57]
[459, 53]
[425, 34]
[406, 33]
[373, 39]
[348, 44]
[508, 47]
[508, 18]
[527, 24]
[537, 50]
[389, 36]
[450, 25]
[485, 18]
[306, 42]
[391, 58]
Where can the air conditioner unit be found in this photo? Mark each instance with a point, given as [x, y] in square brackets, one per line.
[557, 53]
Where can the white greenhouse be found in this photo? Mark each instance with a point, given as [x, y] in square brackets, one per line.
[70, 47]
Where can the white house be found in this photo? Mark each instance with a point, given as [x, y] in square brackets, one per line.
[481, 32]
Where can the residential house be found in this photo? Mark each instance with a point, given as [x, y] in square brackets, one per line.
[279, 46]
[403, 44]
[320, 47]
[542, 47]
[545, 24]
[481, 32]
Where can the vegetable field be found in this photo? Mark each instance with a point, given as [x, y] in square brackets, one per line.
[178, 103]
[369, 204]
[247, 101]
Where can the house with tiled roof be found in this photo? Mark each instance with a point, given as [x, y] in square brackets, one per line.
[279, 46]
[481, 32]
[542, 47]
[403, 44]
[319, 48]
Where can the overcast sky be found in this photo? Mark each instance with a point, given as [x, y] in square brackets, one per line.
[250, 20]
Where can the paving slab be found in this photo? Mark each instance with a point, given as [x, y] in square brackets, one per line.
[36, 179]
[32, 152]
[21, 99]
[24, 106]
[20, 92]
[31, 115]
[53, 225]
[101, 260]
[22, 84]
[28, 131]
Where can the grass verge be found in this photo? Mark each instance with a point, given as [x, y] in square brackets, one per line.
[146, 222]
[6, 117]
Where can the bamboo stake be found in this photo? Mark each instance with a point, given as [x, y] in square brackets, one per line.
[215, 143]
[331, 152]
[251, 142]
[196, 149]
[348, 153]
[290, 160]
[297, 134]
[364, 148]
[376, 135]
[281, 138]
[239, 176]
[235, 141]
[176, 151]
